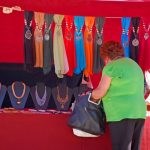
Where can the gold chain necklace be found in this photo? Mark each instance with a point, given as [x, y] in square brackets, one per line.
[21, 96]
[60, 99]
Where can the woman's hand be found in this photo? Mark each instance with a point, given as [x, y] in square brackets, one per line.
[102, 89]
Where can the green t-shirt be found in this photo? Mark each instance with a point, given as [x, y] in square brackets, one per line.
[125, 97]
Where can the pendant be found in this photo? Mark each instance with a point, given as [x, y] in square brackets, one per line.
[62, 101]
[125, 44]
[78, 37]
[46, 37]
[39, 38]
[28, 34]
[18, 101]
[146, 36]
[135, 42]
[62, 106]
[89, 38]
[42, 102]
[69, 36]
[99, 41]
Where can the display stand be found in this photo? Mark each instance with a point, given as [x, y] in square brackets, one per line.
[3, 90]
[18, 94]
[40, 95]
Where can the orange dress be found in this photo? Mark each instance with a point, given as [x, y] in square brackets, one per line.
[88, 44]
[39, 20]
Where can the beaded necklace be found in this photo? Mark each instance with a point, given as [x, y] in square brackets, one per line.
[146, 34]
[62, 100]
[28, 33]
[40, 101]
[16, 96]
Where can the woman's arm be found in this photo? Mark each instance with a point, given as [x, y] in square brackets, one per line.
[102, 88]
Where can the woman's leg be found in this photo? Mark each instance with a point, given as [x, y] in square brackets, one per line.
[136, 140]
[121, 133]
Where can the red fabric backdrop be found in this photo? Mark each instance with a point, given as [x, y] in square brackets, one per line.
[85, 7]
[11, 37]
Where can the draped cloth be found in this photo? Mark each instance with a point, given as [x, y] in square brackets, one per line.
[97, 61]
[48, 44]
[134, 50]
[144, 51]
[69, 44]
[39, 20]
[124, 37]
[60, 56]
[88, 44]
[79, 45]
[28, 42]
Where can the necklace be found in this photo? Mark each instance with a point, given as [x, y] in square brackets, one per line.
[146, 34]
[89, 22]
[40, 101]
[28, 33]
[62, 100]
[99, 34]
[89, 37]
[99, 23]
[47, 29]
[39, 36]
[69, 28]
[135, 41]
[125, 42]
[125, 30]
[39, 22]
[21, 96]
[78, 37]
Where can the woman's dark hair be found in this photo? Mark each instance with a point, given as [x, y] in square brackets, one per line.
[112, 50]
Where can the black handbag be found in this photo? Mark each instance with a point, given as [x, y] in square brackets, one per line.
[88, 116]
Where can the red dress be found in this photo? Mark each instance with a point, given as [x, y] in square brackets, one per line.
[69, 44]
[144, 51]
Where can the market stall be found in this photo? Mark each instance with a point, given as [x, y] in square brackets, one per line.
[41, 123]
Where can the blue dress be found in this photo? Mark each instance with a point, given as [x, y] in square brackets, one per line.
[124, 37]
[79, 45]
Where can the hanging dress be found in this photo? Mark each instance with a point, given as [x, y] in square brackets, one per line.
[88, 45]
[38, 36]
[60, 56]
[48, 44]
[98, 40]
[69, 44]
[79, 45]
[28, 39]
[144, 51]
[134, 39]
[124, 38]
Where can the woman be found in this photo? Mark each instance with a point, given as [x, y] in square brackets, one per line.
[122, 91]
